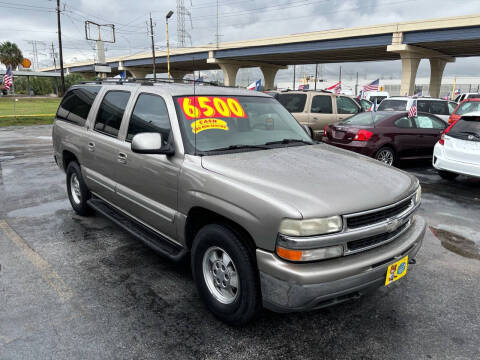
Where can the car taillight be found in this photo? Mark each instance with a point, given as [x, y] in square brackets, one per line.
[325, 130]
[363, 135]
[442, 136]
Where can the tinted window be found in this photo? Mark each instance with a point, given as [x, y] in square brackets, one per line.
[293, 102]
[322, 104]
[428, 122]
[451, 106]
[433, 107]
[76, 104]
[465, 127]
[366, 118]
[392, 105]
[346, 105]
[379, 98]
[110, 113]
[403, 123]
[150, 114]
[365, 104]
[468, 107]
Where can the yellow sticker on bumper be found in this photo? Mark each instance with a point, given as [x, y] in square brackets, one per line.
[396, 270]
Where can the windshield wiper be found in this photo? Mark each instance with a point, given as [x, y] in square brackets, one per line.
[239, 147]
[289, 141]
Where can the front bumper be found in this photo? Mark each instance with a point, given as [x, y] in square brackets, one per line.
[288, 287]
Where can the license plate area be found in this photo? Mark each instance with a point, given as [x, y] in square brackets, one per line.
[396, 271]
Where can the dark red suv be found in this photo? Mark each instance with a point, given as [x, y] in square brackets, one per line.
[387, 136]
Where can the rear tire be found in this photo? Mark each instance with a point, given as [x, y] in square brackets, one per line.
[447, 175]
[78, 193]
[226, 275]
[386, 155]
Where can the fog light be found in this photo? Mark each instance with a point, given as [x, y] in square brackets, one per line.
[311, 254]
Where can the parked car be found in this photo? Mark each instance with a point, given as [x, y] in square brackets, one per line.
[229, 179]
[364, 103]
[315, 109]
[376, 95]
[458, 150]
[438, 107]
[387, 136]
[465, 96]
[465, 107]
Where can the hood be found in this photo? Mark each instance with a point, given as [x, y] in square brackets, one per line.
[317, 180]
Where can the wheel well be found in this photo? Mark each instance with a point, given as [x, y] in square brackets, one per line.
[389, 146]
[68, 157]
[198, 217]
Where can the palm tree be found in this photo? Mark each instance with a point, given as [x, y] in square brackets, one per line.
[10, 54]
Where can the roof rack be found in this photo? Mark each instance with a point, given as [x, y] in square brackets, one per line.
[147, 81]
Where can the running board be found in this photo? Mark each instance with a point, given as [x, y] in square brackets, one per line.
[157, 242]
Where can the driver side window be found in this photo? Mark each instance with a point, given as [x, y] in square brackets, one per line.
[346, 105]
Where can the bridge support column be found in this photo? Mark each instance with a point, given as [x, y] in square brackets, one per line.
[178, 75]
[269, 73]
[229, 73]
[436, 72]
[138, 73]
[409, 74]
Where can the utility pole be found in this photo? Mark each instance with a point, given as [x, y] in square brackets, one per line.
[62, 76]
[356, 85]
[55, 67]
[293, 77]
[316, 72]
[340, 74]
[153, 49]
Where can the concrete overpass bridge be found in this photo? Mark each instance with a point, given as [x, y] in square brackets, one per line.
[439, 40]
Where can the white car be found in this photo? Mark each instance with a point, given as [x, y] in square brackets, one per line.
[464, 96]
[439, 107]
[378, 95]
[458, 150]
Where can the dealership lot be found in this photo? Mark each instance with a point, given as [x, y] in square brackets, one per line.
[73, 287]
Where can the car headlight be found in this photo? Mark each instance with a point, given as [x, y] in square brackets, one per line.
[310, 254]
[418, 195]
[309, 227]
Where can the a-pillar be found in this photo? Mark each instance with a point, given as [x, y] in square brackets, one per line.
[269, 73]
[436, 72]
[409, 73]
[178, 75]
[139, 73]
[229, 73]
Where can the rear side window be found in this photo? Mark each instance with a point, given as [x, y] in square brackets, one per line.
[468, 107]
[393, 105]
[150, 114]
[346, 105]
[322, 104]
[76, 104]
[293, 102]
[110, 113]
[403, 123]
[429, 122]
[433, 107]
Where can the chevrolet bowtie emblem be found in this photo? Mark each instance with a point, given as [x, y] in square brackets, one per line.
[392, 224]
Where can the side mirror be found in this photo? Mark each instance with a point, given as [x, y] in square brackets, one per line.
[150, 143]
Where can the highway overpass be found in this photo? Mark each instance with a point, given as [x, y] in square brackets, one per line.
[439, 40]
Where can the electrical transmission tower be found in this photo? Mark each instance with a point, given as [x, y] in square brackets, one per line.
[183, 34]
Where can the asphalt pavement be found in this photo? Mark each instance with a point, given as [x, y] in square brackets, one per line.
[80, 288]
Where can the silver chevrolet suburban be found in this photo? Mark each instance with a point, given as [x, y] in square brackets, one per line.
[229, 178]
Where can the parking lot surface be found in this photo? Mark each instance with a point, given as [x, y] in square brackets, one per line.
[78, 288]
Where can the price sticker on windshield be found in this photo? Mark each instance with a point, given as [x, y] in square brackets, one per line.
[205, 107]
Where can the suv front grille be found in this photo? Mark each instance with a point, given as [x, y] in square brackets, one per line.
[362, 244]
[377, 216]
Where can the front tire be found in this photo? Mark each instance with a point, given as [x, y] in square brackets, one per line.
[386, 155]
[78, 193]
[226, 275]
[447, 175]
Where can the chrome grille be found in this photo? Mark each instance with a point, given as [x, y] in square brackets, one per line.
[357, 221]
[373, 241]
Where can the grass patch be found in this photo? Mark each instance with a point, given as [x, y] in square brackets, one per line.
[27, 106]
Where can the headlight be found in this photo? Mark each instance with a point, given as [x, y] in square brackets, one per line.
[310, 227]
[418, 195]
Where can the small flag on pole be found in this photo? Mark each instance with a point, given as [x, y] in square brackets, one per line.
[336, 88]
[373, 86]
[256, 85]
[413, 110]
[8, 78]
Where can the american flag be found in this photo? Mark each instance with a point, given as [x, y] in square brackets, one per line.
[8, 79]
[373, 86]
[413, 110]
[336, 88]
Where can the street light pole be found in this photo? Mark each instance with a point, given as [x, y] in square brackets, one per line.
[60, 50]
[169, 15]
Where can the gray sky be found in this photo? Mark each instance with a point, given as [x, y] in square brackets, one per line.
[27, 20]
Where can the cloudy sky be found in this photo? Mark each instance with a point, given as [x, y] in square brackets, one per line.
[25, 21]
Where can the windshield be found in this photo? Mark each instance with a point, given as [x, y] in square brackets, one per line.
[217, 123]
[365, 118]
[392, 105]
[468, 107]
[293, 102]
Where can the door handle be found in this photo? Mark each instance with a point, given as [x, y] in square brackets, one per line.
[122, 158]
[91, 146]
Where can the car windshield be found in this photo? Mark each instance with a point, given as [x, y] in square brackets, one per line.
[466, 128]
[365, 118]
[293, 102]
[392, 105]
[221, 123]
[468, 107]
